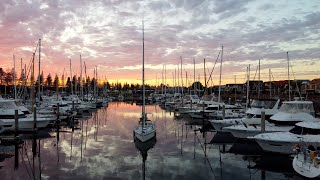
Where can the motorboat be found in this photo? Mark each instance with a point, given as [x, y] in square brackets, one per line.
[253, 114]
[290, 113]
[283, 142]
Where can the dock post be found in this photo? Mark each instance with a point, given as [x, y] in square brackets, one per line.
[223, 111]
[194, 144]
[72, 105]
[263, 122]
[16, 124]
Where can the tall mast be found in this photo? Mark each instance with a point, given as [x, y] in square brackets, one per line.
[143, 87]
[162, 80]
[25, 82]
[181, 80]
[14, 77]
[235, 89]
[81, 85]
[39, 70]
[289, 76]
[259, 81]
[32, 83]
[194, 76]
[96, 82]
[165, 79]
[270, 82]
[219, 98]
[205, 76]
[248, 83]
[71, 78]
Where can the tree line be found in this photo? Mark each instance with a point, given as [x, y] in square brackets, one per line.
[50, 82]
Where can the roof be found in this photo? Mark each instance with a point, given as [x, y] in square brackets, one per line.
[310, 125]
[315, 81]
[297, 102]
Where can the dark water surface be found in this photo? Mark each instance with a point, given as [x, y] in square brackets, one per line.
[102, 147]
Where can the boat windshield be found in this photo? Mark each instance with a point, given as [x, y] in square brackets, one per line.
[263, 104]
[297, 108]
[194, 97]
[8, 105]
[19, 103]
[303, 131]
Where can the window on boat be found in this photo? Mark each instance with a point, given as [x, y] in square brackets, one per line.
[297, 108]
[194, 97]
[212, 108]
[311, 131]
[263, 104]
[8, 105]
[296, 130]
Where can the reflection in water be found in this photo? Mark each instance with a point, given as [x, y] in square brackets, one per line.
[100, 146]
[143, 147]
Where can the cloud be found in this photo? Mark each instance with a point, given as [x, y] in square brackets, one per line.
[108, 33]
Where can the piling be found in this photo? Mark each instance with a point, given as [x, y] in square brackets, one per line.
[263, 122]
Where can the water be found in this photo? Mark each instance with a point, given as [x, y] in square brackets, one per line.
[102, 147]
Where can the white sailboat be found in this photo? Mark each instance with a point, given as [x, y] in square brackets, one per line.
[306, 161]
[146, 130]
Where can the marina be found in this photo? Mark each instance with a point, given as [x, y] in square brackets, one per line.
[159, 90]
[101, 145]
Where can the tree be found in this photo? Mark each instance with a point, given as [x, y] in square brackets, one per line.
[2, 75]
[196, 85]
[56, 81]
[49, 80]
[8, 78]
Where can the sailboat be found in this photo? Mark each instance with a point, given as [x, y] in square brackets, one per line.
[146, 130]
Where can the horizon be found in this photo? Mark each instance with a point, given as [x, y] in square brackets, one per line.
[108, 36]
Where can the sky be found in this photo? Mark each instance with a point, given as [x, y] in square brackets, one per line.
[108, 35]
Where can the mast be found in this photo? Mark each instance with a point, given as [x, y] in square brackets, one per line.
[32, 84]
[165, 80]
[162, 80]
[248, 82]
[259, 81]
[194, 76]
[25, 82]
[39, 70]
[205, 76]
[181, 80]
[71, 78]
[143, 86]
[270, 82]
[235, 89]
[219, 98]
[96, 84]
[289, 76]
[14, 77]
[81, 85]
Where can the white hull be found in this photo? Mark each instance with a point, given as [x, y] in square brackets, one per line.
[277, 147]
[220, 124]
[24, 124]
[241, 131]
[145, 133]
[305, 168]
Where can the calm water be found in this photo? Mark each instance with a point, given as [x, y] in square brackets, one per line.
[102, 147]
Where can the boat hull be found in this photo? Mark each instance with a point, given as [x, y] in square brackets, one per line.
[305, 168]
[146, 133]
